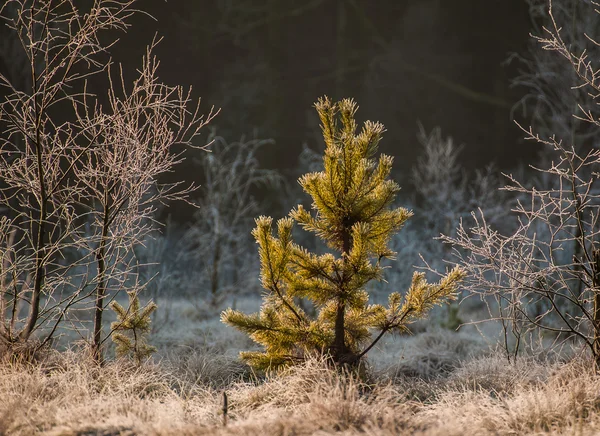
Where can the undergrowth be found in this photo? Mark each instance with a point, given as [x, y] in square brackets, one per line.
[68, 394]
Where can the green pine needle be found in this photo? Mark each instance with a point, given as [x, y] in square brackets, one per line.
[352, 212]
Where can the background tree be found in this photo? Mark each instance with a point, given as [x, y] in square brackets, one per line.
[387, 54]
[446, 193]
[552, 94]
[80, 172]
[218, 242]
[351, 203]
[546, 274]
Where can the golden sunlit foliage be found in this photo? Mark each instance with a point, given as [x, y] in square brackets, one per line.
[352, 212]
[130, 330]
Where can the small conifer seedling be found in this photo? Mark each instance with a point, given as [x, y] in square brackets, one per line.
[352, 212]
[130, 330]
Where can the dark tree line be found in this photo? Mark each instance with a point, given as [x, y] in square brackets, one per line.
[264, 62]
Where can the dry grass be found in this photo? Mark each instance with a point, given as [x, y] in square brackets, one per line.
[66, 394]
[433, 383]
[435, 353]
[528, 398]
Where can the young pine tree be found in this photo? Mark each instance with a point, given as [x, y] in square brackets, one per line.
[352, 213]
[130, 330]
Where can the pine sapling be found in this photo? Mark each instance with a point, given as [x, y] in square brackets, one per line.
[130, 330]
[352, 212]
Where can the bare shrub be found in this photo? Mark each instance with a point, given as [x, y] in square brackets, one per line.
[446, 193]
[218, 243]
[545, 275]
[80, 172]
[551, 86]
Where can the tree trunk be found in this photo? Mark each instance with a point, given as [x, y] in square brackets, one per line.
[100, 290]
[596, 313]
[40, 267]
[578, 258]
[214, 273]
[340, 350]
[339, 345]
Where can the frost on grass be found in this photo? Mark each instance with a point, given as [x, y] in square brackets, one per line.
[66, 394]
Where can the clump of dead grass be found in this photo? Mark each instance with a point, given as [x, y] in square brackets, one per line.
[68, 394]
[70, 390]
[488, 397]
[435, 353]
[192, 367]
[313, 397]
[427, 361]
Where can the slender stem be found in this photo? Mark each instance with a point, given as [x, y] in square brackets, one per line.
[43, 203]
[101, 287]
[339, 344]
[596, 323]
[392, 324]
[214, 274]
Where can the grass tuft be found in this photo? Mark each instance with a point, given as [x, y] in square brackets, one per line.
[68, 394]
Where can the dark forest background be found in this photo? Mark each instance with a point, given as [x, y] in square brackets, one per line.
[265, 62]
